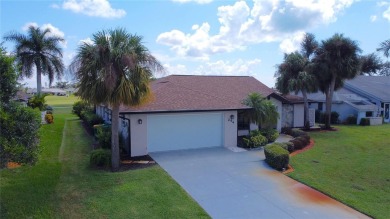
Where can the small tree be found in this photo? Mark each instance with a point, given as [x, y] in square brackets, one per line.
[8, 78]
[263, 111]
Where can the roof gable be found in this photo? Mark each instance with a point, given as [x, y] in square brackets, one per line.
[377, 87]
[190, 92]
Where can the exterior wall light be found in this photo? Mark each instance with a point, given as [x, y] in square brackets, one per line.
[231, 118]
[140, 121]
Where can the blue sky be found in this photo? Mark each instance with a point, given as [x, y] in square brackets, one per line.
[205, 37]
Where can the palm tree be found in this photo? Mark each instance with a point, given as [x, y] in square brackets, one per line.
[336, 60]
[38, 49]
[114, 70]
[263, 111]
[385, 47]
[295, 75]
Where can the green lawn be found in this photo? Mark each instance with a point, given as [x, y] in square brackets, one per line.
[62, 185]
[351, 165]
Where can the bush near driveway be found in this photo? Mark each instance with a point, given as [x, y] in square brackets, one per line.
[276, 156]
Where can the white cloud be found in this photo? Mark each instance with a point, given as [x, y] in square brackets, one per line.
[196, 1]
[386, 14]
[220, 67]
[54, 31]
[240, 25]
[87, 41]
[95, 8]
[291, 44]
[373, 18]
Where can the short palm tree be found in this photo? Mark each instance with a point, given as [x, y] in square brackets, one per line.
[38, 49]
[263, 111]
[115, 69]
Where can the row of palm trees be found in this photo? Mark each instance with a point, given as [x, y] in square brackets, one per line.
[116, 67]
[324, 66]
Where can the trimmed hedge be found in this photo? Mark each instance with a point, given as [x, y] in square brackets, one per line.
[286, 146]
[100, 158]
[276, 156]
[297, 133]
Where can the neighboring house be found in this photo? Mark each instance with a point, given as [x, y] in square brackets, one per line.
[22, 97]
[53, 91]
[191, 112]
[363, 97]
[376, 89]
[293, 111]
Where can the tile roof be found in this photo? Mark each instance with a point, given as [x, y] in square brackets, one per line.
[190, 92]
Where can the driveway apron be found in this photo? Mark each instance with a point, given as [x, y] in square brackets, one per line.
[240, 185]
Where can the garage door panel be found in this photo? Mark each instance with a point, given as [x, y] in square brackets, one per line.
[175, 132]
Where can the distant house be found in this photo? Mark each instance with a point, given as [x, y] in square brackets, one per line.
[53, 91]
[376, 89]
[22, 97]
[363, 97]
[193, 112]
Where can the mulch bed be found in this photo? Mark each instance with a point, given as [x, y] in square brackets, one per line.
[133, 163]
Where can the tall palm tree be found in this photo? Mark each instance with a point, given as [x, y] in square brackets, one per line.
[263, 111]
[385, 47]
[295, 73]
[38, 49]
[336, 60]
[114, 69]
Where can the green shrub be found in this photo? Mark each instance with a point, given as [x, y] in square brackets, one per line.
[80, 106]
[92, 119]
[286, 130]
[276, 156]
[305, 140]
[19, 139]
[351, 120]
[255, 139]
[289, 146]
[38, 101]
[298, 144]
[103, 135]
[297, 132]
[270, 134]
[334, 117]
[364, 122]
[100, 158]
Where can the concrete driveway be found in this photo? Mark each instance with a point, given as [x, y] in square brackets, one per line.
[231, 184]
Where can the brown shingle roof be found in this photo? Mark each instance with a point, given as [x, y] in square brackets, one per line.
[190, 92]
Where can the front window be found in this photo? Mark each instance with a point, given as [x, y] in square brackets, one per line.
[242, 121]
[369, 114]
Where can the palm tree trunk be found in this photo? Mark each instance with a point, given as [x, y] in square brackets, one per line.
[39, 82]
[115, 159]
[329, 99]
[306, 109]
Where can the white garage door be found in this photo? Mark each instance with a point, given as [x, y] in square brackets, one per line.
[184, 131]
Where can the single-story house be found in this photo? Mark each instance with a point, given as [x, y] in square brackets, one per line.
[190, 111]
[363, 97]
[375, 89]
[53, 91]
